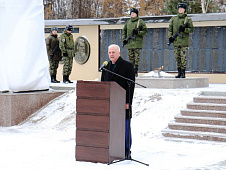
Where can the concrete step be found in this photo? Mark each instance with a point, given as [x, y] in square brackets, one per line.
[203, 119]
[210, 99]
[197, 127]
[213, 93]
[200, 120]
[194, 135]
[203, 113]
[206, 106]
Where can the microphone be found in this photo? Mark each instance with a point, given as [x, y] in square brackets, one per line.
[103, 65]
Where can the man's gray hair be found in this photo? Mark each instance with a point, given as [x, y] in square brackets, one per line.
[114, 45]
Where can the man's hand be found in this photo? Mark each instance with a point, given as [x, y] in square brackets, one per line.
[171, 39]
[127, 105]
[125, 42]
[65, 54]
[135, 32]
[182, 28]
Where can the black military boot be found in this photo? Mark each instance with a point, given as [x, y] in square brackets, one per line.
[136, 70]
[65, 79]
[179, 73]
[55, 80]
[69, 80]
[52, 78]
[183, 73]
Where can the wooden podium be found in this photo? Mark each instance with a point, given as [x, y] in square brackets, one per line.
[100, 121]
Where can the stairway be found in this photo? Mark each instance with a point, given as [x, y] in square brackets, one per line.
[203, 119]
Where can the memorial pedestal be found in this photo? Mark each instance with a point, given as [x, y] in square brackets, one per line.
[173, 83]
[16, 107]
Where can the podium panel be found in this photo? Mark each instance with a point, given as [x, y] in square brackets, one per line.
[100, 121]
[92, 106]
[83, 137]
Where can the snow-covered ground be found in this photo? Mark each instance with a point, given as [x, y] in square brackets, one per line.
[46, 141]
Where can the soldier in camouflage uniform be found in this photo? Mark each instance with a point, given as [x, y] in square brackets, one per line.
[184, 24]
[67, 49]
[54, 53]
[135, 45]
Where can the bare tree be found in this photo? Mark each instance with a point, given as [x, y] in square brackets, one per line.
[113, 8]
[55, 9]
[204, 5]
[97, 9]
[68, 9]
[72, 10]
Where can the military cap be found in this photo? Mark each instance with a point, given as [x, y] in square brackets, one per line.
[54, 28]
[69, 28]
[134, 10]
[182, 5]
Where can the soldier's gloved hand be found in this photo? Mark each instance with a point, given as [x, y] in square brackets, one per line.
[135, 32]
[65, 54]
[182, 28]
[125, 42]
[171, 39]
[51, 57]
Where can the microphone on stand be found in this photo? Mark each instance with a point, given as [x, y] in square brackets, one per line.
[103, 65]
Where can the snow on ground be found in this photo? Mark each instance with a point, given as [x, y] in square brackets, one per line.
[46, 140]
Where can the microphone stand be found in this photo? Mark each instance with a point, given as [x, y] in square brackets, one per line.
[122, 77]
[130, 113]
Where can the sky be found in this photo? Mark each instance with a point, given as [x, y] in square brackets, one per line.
[46, 140]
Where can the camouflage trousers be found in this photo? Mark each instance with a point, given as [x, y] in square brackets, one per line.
[53, 66]
[67, 61]
[181, 56]
[134, 56]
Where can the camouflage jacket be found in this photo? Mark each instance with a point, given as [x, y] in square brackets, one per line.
[66, 43]
[174, 25]
[51, 42]
[128, 28]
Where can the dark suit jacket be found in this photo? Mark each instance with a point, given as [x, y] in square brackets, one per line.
[125, 69]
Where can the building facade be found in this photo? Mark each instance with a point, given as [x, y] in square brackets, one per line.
[206, 53]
